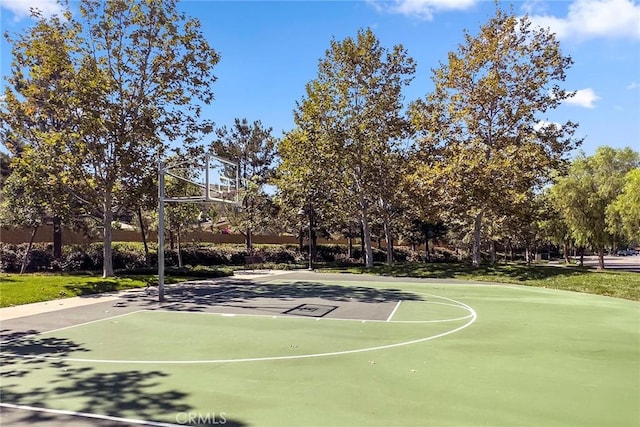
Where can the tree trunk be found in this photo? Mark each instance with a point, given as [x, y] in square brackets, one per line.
[366, 234]
[314, 248]
[566, 254]
[143, 233]
[27, 253]
[506, 244]
[313, 239]
[492, 249]
[57, 237]
[179, 248]
[581, 256]
[427, 255]
[248, 239]
[107, 251]
[601, 258]
[389, 239]
[349, 247]
[510, 251]
[477, 228]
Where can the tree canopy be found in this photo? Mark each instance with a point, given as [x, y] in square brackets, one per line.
[590, 186]
[623, 214]
[253, 148]
[127, 77]
[352, 114]
[480, 129]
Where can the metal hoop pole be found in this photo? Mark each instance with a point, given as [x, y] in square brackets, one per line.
[160, 231]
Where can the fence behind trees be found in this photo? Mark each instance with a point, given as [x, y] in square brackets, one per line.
[69, 237]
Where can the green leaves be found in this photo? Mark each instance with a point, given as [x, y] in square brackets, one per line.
[253, 148]
[623, 214]
[477, 129]
[587, 195]
[349, 125]
[103, 91]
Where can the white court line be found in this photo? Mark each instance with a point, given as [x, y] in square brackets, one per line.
[67, 327]
[394, 311]
[89, 415]
[316, 319]
[472, 314]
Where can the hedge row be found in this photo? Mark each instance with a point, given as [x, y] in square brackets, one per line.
[130, 256]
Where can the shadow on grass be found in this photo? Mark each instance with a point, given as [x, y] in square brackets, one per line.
[35, 373]
[92, 288]
[119, 283]
[518, 272]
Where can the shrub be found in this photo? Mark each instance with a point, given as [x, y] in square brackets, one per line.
[278, 254]
[11, 256]
[131, 256]
[127, 256]
[207, 256]
[40, 258]
[82, 257]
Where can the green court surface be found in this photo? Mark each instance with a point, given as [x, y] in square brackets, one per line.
[419, 354]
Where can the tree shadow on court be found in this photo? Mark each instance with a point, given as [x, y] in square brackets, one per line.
[131, 394]
[8, 335]
[202, 296]
[26, 352]
[35, 373]
[305, 289]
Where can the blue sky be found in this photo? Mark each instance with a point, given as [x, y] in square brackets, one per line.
[270, 50]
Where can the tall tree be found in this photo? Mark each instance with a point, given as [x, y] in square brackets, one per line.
[39, 114]
[143, 70]
[354, 109]
[590, 186]
[552, 225]
[623, 215]
[301, 178]
[480, 127]
[253, 148]
[24, 199]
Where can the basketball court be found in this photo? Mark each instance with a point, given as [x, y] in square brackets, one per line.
[304, 348]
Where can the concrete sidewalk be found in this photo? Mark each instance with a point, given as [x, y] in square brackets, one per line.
[24, 310]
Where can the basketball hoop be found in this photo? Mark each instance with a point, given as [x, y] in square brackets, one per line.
[218, 180]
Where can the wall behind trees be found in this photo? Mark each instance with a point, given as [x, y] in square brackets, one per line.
[69, 237]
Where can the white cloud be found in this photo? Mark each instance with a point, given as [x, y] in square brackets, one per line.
[533, 7]
[633, 85]
[22, 9]
[542, 124]
[595, 18]
[423, 9]
[583, 98]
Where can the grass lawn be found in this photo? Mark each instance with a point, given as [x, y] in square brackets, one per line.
[17, 289]
[617, 284]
